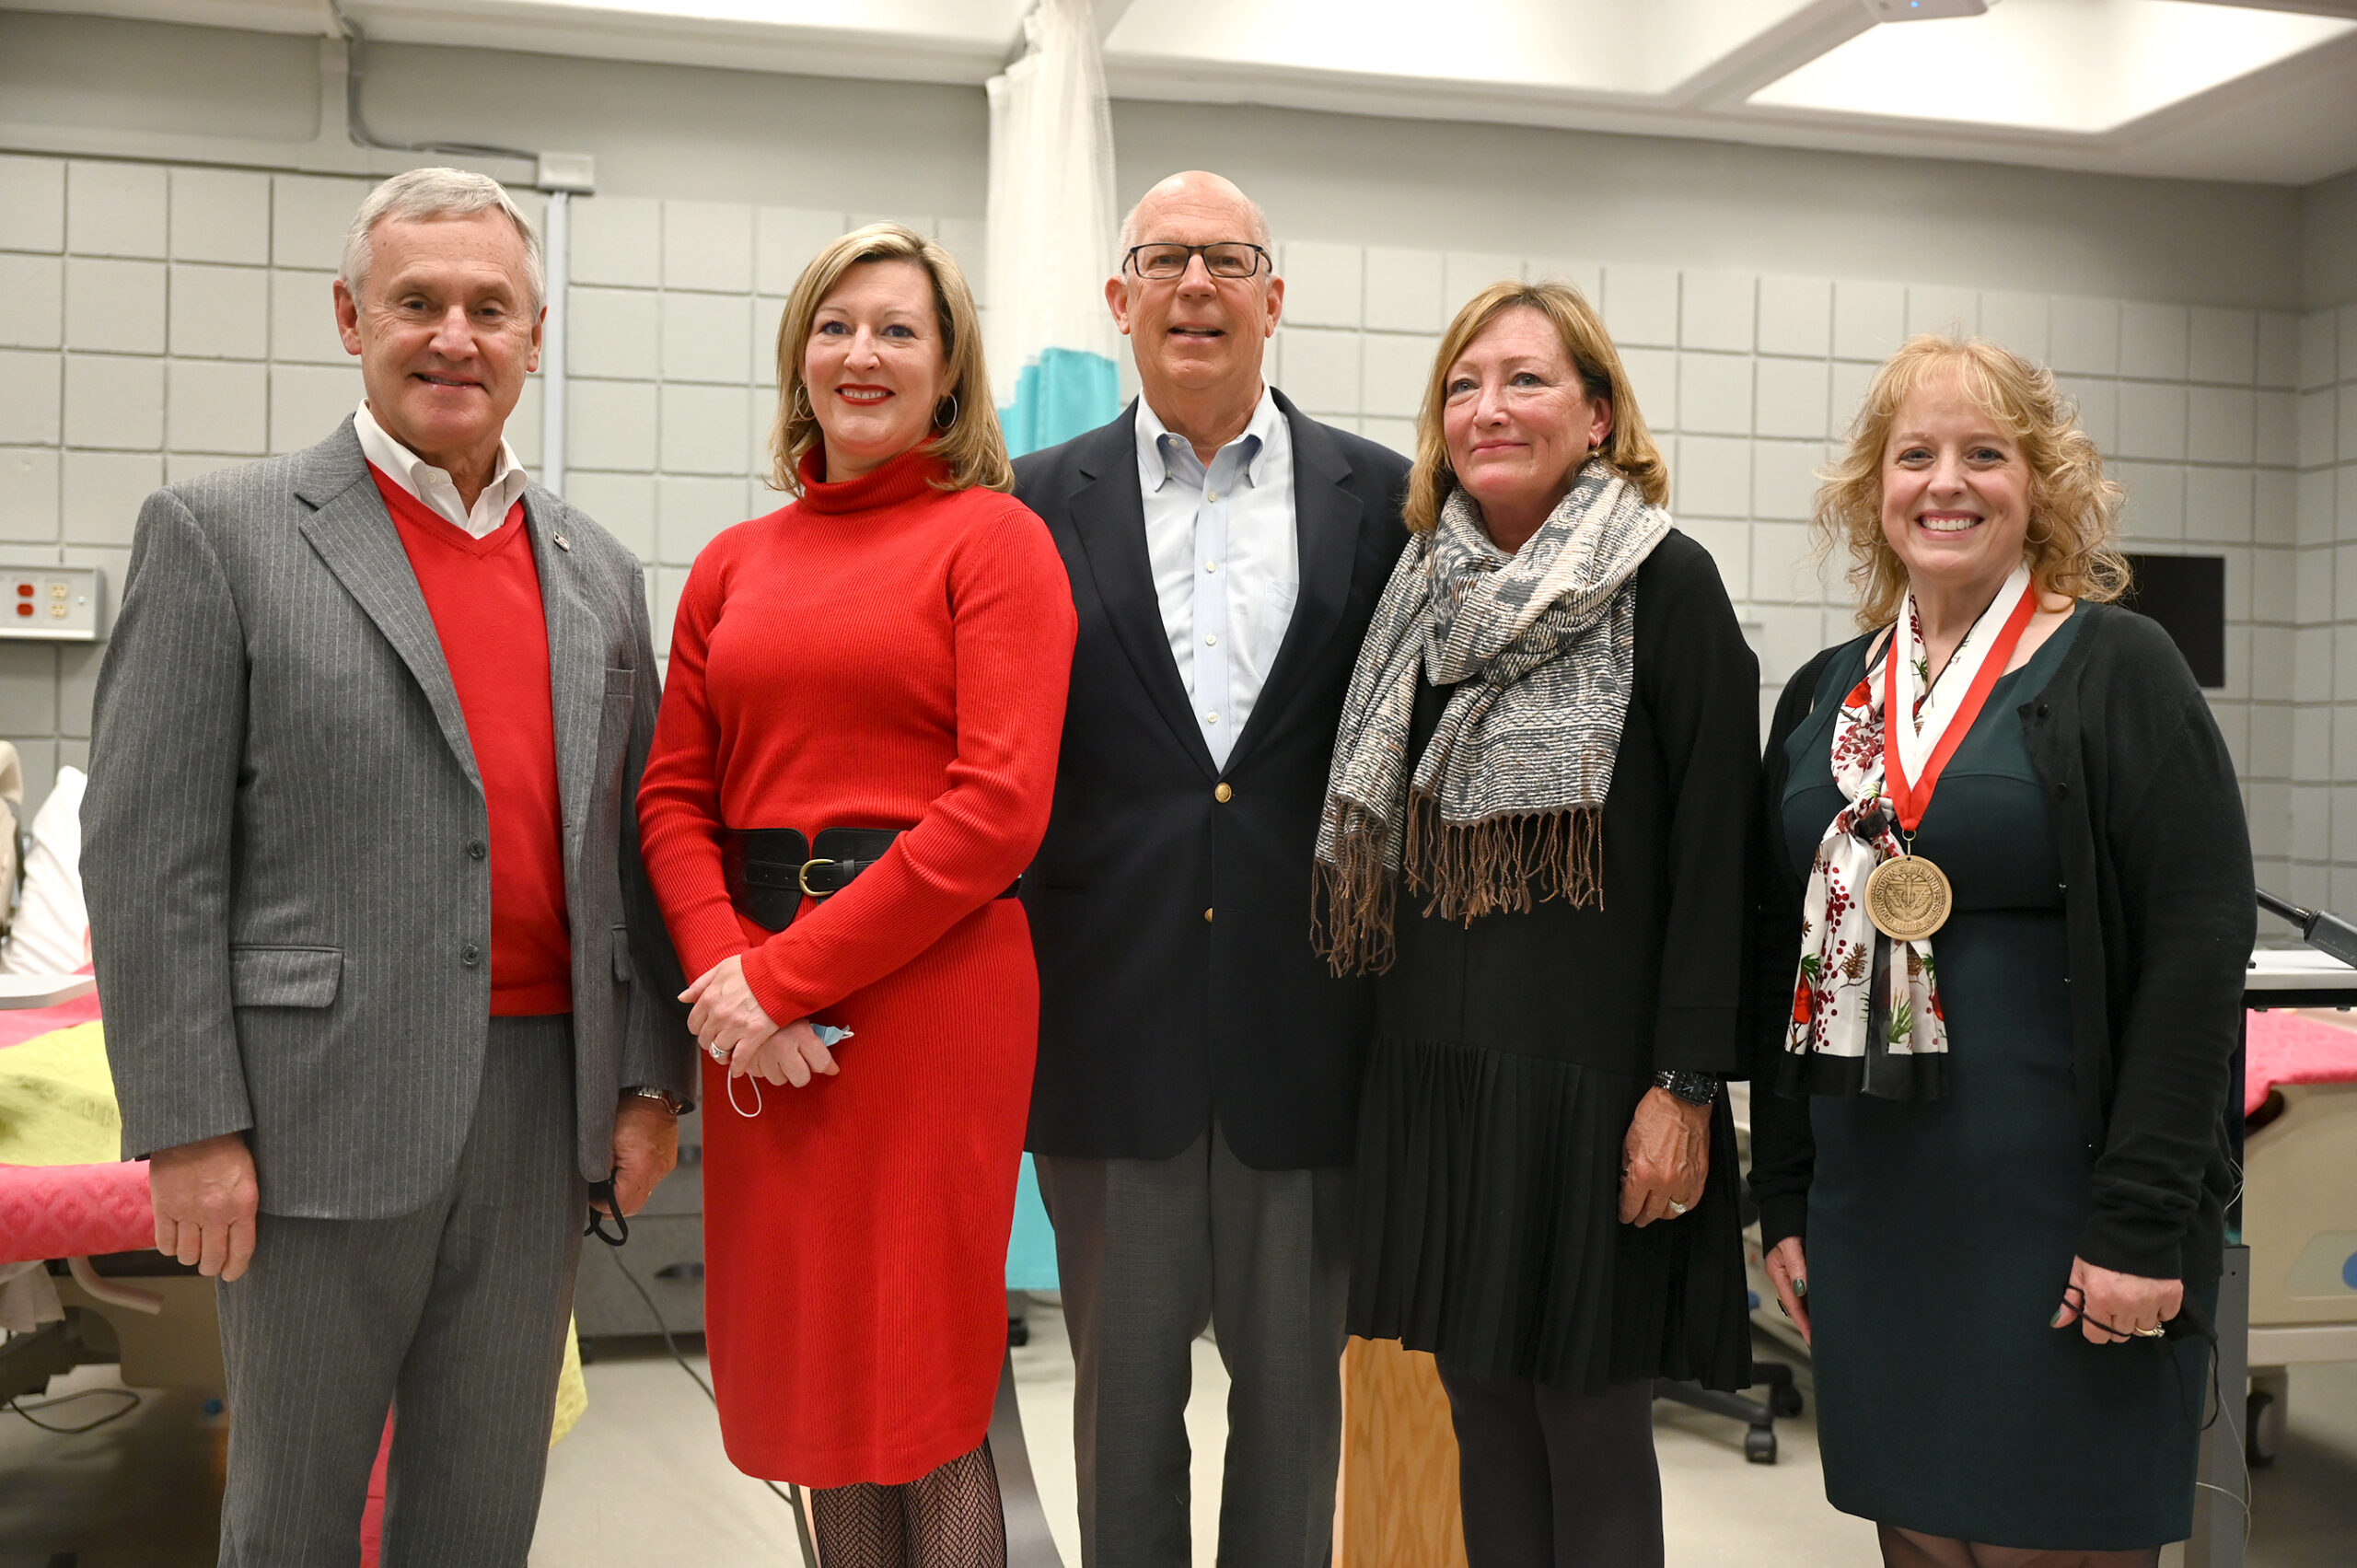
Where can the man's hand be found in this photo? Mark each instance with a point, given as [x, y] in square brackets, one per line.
[204, 1195]
[646, 1145]
[1664, 1159]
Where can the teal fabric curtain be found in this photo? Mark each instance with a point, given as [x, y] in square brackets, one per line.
[1065, 392]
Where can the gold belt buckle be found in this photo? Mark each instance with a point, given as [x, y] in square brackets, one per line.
[803, 877]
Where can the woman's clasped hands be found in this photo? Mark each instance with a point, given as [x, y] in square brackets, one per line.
[732, 1027]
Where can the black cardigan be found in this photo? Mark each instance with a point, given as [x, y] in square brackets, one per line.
[2159, 906]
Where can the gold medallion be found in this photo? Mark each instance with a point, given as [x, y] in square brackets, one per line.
[1908, 897]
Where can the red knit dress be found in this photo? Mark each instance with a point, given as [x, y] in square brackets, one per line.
[878, 654]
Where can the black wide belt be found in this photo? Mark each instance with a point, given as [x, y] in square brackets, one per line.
[769, 870]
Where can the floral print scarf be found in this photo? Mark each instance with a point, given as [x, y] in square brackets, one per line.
[1867, 1016]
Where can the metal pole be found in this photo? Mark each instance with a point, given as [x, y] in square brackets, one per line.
[2221, 1508]
[558, 246]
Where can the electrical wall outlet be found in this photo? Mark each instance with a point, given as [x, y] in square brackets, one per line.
[50, 604]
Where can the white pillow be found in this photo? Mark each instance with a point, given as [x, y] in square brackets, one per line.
[52, 933]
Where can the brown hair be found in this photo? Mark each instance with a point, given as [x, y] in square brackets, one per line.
[973, 445]
[2074, 510]
[1628, 448]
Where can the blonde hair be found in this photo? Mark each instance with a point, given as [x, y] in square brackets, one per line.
[2072, 546]
[1628, 448]
[972, 445]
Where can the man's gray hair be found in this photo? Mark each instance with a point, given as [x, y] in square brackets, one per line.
[427, 193]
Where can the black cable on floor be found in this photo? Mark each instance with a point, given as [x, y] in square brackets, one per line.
[22, 1409]
[791, 1496]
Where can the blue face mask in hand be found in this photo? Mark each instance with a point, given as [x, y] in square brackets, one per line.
[830, 1035]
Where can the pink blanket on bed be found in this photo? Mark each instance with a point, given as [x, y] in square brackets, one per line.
[2286, 1048]
[72, 1211]
[64, 1211]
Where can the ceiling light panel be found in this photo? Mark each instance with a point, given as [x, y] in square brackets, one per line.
[2080, 66]
[1604, 47]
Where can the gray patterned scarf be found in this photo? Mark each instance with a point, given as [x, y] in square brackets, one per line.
[1509, 791]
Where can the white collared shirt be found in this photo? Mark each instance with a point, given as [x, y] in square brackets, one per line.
[1227, 560]
[433, 486]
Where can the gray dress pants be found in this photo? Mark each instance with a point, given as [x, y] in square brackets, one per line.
[1150, 1251]
[453, 1316]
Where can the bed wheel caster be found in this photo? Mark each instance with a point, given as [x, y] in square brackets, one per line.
[1759, 1446]
[2263, 1428]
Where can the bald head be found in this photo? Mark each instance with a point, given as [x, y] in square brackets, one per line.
[1195, 194]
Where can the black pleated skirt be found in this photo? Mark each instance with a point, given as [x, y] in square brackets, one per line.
[1489, 1231]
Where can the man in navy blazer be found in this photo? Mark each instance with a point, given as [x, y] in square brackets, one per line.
[1195, 1107]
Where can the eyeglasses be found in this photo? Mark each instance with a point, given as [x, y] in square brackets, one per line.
[1227, 259]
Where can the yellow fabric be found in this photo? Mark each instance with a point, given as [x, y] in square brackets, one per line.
[57, 1107]
[57, 1101]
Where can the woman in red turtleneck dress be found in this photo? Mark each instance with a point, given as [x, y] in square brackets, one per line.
[890, 651]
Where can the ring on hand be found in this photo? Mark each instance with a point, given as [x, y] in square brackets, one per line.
[2154, 1332]
[1675, 1207]
[1800, 1286]
[718, 1052]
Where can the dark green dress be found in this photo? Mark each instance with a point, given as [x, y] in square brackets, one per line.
[1941, 1233]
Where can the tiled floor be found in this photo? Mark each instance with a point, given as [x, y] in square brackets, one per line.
[643, 1482]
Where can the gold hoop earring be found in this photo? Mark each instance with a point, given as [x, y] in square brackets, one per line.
[941, 424]
[801, 407]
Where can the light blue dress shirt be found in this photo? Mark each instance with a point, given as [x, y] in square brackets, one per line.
[1227, 560]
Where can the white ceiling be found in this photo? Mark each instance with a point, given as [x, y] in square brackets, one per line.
[2260, 91]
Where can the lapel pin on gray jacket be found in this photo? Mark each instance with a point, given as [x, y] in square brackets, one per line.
[561, 542]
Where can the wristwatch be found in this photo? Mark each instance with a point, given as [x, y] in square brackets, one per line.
[671, 1102]
[1694, 1089]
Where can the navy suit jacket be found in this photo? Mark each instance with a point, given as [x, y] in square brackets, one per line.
[1177, 979]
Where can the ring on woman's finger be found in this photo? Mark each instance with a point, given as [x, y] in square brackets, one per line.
[1675, 1207]
[2154, 1332]
[1800, 1286]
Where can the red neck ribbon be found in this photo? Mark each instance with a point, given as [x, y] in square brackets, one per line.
[1910, 799]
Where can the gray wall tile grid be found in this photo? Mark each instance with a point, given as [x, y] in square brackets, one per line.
[155, 323]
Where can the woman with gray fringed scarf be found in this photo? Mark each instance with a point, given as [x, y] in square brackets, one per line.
[1536, 833]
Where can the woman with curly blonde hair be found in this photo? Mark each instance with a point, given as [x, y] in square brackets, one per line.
[2001, 966]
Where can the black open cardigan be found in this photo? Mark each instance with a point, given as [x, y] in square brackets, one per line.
[2159, 906]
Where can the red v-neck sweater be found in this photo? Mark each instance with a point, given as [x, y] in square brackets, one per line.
[484, 597]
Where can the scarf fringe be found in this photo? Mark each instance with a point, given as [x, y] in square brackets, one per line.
[1505, 865]
[1354, 896]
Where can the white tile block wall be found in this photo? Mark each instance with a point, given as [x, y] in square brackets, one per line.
[220, 215]
[156, 324]
[302, 318]
[1323, 284]
[219, 312]
[32, 301]
[115, 209]
[784, 238]
[32, 203]
[114, 307]
[308, 216]
[1716, 310]
[1641, 305]
[708, 245]
[1404, 290]
[1796, 317]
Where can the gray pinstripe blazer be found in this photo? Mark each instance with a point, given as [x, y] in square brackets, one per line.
[289, 907]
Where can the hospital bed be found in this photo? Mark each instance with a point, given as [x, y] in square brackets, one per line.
[2299, 1203]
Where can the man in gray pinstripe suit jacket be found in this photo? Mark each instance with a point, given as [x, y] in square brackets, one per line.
[386, 990]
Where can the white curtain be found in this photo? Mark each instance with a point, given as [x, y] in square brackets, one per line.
[1052, 226]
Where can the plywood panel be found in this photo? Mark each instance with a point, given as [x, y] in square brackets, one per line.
[1398, 1506]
